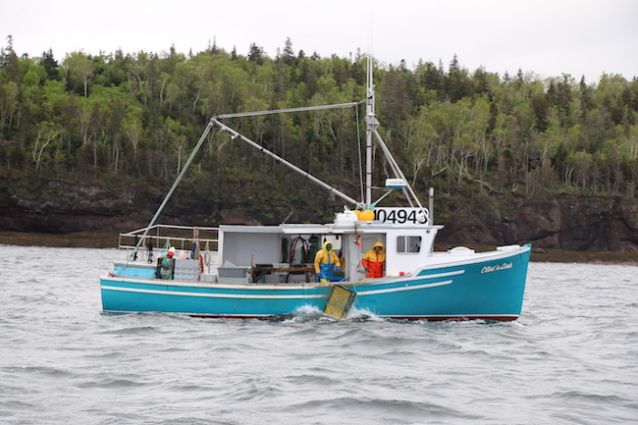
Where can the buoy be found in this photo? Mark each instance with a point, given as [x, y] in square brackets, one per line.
[367, 215]
[358, 214]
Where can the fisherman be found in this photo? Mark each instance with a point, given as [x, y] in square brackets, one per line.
[374, 261]
[167, 264]
[326, 262]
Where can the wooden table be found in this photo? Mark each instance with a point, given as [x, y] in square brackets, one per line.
[259, 272]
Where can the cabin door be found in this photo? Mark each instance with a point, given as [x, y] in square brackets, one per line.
[352, 258]
[354, 247]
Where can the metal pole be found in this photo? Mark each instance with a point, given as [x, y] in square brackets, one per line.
[382, 196]
[390, 158]
[370, 127]
[407, 196]
[177, 180]
[283, 161]
[368, 168]
[396, 170]
[431, 206]
[288, 110]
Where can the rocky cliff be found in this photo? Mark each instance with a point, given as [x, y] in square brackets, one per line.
[564, 221]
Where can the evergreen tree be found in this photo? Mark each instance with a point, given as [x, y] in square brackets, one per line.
[456, 85]
[288, 55]
[552, 93]
[10, 62]
[634, 96]
[256, 54]
[520, 79]
[491, 124]
[454, 65]
[430, 76]
[482, 85]
[50, 65]
[563, 98]
[540, 105]
[212, 48]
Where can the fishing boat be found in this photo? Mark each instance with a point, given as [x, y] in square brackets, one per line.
[237, 271]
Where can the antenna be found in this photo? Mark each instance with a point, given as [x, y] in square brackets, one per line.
[371, 130]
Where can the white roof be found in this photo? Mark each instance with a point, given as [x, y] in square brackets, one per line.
[323, 229]
[248, 229]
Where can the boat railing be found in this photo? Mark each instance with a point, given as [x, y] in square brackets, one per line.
[160, 236]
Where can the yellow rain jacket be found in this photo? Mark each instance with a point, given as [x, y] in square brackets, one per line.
[326, 257]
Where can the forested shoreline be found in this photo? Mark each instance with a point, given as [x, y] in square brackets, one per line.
[121, 120]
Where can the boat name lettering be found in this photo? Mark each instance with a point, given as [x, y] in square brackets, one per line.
[401, 215]
[496, 268]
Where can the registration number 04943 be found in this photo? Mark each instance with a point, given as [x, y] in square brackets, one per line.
[401, 215]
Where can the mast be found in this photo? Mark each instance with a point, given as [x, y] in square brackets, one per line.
[371, 130]
[371, 125]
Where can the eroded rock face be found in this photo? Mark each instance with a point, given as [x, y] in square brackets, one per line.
[538, 221]
[65, 222]
[565, 222]
[470, 230]
[62, 196]
[571, 222]
[238, 217]
[599, 223]
[584, 224]
[61, 207]
[623, 232]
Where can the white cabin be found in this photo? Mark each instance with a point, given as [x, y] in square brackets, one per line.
[244, 248]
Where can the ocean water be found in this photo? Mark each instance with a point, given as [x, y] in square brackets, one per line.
[571, 358]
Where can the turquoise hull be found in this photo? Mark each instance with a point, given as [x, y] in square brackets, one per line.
[483, 288]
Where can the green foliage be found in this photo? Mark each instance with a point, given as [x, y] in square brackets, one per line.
[138, 116]
[80, 68]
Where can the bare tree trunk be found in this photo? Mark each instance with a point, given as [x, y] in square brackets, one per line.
[40, 150]
[95, 152]
[34, 154]
[161, 94]
[199, 90]
[117, 157]
[179, 158]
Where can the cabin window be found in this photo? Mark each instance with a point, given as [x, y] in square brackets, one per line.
[409, 244]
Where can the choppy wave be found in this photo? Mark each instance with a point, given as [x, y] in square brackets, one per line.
[572, 357]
